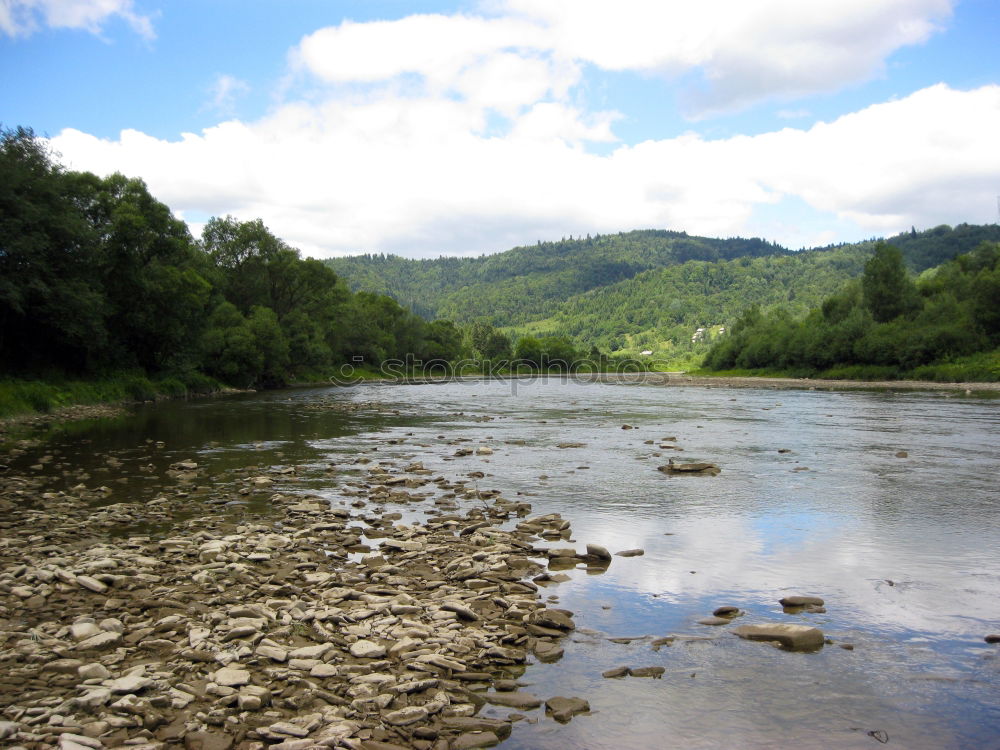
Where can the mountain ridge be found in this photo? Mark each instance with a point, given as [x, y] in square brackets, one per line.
[635, 289]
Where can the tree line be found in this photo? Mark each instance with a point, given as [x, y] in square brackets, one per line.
[944, 324]
[98, 277]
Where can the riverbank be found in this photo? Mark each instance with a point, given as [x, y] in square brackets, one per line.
[313, 626]
[728, 381]
[31, 405]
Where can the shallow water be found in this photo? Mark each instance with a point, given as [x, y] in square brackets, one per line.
[905, 551]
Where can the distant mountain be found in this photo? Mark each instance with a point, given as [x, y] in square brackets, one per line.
[527, 283]
[637, 289]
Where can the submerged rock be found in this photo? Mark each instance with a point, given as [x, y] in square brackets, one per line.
[616, 672]
[654, 672]
[801, 601]
[563, 709]
[791, 637]
[697, 467]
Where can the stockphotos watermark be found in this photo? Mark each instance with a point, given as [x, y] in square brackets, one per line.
[584, 370]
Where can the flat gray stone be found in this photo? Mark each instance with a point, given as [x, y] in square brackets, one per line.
[132, 683]
[364, 649]
[792, 637]
[404, 716]
[563, 709]
[801, 601]
[513, 700]
[231, 677]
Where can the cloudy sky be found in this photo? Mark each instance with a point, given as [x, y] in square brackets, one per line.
[428, 128]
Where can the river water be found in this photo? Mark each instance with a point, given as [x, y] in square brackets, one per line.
[812, 499]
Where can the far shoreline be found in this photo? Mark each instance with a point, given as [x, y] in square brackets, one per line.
[828, 384]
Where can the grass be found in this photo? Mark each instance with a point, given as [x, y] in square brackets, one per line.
[983, 367]
[18, 397]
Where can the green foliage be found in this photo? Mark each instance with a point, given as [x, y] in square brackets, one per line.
[528, 283]
[886, 287]
[883, 327]
[105, 276]
[638, 290]
[489, 342]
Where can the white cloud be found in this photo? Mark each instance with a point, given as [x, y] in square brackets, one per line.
[422, 176]
[224, 92]
[24, 17]
[744, 51]
[738, 52]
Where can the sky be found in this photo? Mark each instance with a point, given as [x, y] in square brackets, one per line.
[461, 128]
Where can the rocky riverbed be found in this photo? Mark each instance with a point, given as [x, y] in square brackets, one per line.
[315, 625]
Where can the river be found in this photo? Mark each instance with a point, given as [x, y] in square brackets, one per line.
[884, 504]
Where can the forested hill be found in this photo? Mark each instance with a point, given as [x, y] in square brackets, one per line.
[610, 289]
[531, 282]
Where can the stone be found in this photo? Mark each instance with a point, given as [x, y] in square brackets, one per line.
[992, 638]
[365, 649]
[463, 612]
[521, 701]
[253, 698]
[81, 631]
[63, 666]
[93, 698]
[100, 641]
[132, 683]
[696, 467]
[274, 653]
[324, 670]
[207, 741]
[598, 552]
[551, 618]
[616, 672]
[499, 727]
[563, 709]
[231, 677]
[404, 716]
[288, 729]
[471, 740]
[727, 610]
[801, 601]
[714, 621]
[79, 740]
[310, 652]
[91, 583]
[791, 637]
[631, 553]
[8, 729]
[547, 652]
[654, 672]
[93, 671]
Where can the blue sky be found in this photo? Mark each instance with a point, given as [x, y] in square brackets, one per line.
[427, 128]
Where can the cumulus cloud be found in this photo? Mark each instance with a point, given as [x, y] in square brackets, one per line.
[742, 51]
[734, 52]
[25, 17]
[421, 175]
